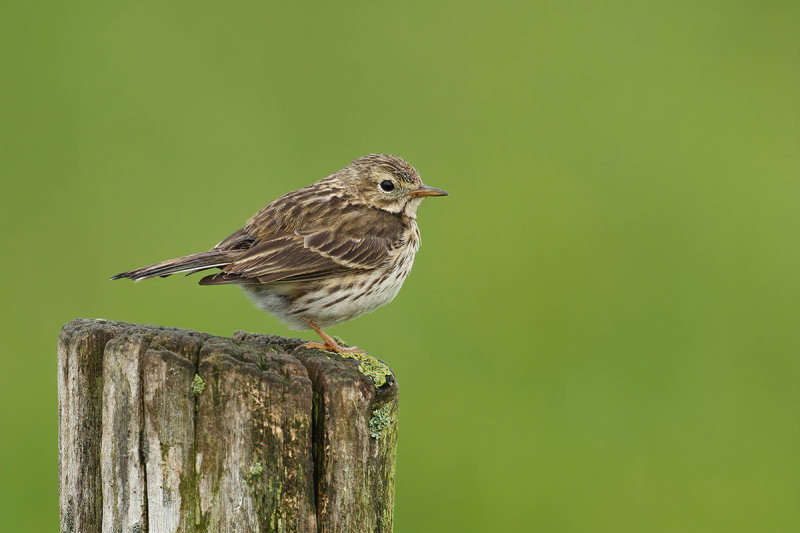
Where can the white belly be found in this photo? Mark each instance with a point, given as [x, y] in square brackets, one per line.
[327, 308]
[335, 300]
[331, 301]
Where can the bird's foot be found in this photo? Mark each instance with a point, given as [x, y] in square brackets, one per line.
[350, 349]
[330, 347]
[330, 344]
[311, 345]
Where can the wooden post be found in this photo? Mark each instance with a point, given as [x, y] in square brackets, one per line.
[170, 430]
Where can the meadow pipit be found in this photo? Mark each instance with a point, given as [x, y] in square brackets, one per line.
[324, 254]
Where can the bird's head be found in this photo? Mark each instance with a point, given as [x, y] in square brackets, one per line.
[387, 182]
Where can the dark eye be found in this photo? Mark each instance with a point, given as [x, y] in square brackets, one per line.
[387, 185]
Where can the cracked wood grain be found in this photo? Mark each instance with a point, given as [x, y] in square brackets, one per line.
[170, 430]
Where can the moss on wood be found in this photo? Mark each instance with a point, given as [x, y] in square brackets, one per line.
[250, 433]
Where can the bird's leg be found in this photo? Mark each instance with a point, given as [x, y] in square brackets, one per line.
[330, 344]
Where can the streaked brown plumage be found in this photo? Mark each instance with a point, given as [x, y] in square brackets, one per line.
[324, 254]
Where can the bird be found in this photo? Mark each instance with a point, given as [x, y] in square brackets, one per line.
[323, 254]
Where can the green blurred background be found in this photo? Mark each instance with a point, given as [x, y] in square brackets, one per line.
[600, 333]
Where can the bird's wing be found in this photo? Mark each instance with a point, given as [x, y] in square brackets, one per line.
[306, 255]
[309, 234]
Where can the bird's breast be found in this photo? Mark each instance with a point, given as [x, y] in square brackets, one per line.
[343, 298]
[337, 299]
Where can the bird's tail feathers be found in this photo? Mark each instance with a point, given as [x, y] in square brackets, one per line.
[188, 263]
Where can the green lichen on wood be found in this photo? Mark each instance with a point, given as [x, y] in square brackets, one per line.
[381, 421]
[190, 500]
[198, 385]
[370, 367]
[256, 469]
[356, 495]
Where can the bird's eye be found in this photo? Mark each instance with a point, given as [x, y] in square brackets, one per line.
[387, 185]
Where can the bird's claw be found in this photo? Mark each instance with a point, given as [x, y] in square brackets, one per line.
[330, 347]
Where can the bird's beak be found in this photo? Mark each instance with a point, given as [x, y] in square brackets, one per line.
[427, 191]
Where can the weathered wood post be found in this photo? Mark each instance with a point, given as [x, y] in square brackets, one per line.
[170, 430]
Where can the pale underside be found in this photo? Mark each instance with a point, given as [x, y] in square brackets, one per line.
[331, 301]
